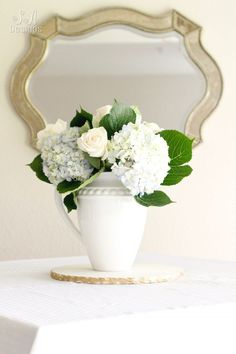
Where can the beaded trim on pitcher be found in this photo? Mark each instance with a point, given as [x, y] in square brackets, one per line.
[105, 191]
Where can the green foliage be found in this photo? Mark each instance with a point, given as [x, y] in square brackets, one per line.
[118, 116]
[37, 166]
[157, 198]
[180, 146]
[78, 120]
[66, 186]
[91, 179]
[69, 202]
[81, 118]
[84, 129]
[176, 174]
[94, 161]
[108, 166]
[180, 152]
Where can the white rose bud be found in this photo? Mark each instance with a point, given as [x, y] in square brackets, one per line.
[94, 142]
[49, 130]
[155, 127]
[99, 114]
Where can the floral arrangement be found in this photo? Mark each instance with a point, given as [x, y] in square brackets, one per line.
[116, 139]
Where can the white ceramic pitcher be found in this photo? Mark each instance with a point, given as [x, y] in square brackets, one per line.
[111, 223]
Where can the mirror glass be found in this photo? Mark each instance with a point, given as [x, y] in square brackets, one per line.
[152, 71]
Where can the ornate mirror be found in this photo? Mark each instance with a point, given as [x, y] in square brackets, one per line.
[156, 63]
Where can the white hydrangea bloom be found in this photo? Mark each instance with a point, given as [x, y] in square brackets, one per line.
[155, 127]
[62, 159]
[49, 130]
[139, 158]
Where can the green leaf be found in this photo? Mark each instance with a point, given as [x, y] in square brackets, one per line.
[87, 115]
[94, 161]
[157, 198]
[176, 174]
[122, 113]
[108, 166]
[66, 186]
[118, 116]
[84, 128]
[106, 122]
[91, 179]
[69, 202]
[180, 147]
[78, 121]
[81, 118]
[37, 166]
[70, 199]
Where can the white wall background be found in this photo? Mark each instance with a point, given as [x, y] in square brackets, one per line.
[201, 224]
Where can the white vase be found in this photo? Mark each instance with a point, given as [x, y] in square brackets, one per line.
[111, 223]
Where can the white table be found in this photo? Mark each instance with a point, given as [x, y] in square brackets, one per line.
[193, 314]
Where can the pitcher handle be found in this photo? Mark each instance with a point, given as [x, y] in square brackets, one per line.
[65, 216]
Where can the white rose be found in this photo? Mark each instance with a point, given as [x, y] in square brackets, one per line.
[94, 142]
[155, 127]
[99, 114]
[50, 130]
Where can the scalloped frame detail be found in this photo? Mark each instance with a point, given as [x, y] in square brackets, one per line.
[171, 21]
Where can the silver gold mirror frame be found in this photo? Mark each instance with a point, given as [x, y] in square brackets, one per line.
[171, 21]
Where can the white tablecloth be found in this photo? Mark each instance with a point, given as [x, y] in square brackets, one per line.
[39, 315]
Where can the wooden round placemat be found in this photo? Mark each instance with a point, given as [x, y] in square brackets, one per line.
[141, 273]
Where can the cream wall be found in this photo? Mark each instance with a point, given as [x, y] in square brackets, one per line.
[201, 224]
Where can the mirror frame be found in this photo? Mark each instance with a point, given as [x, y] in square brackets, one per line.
[171, 21]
